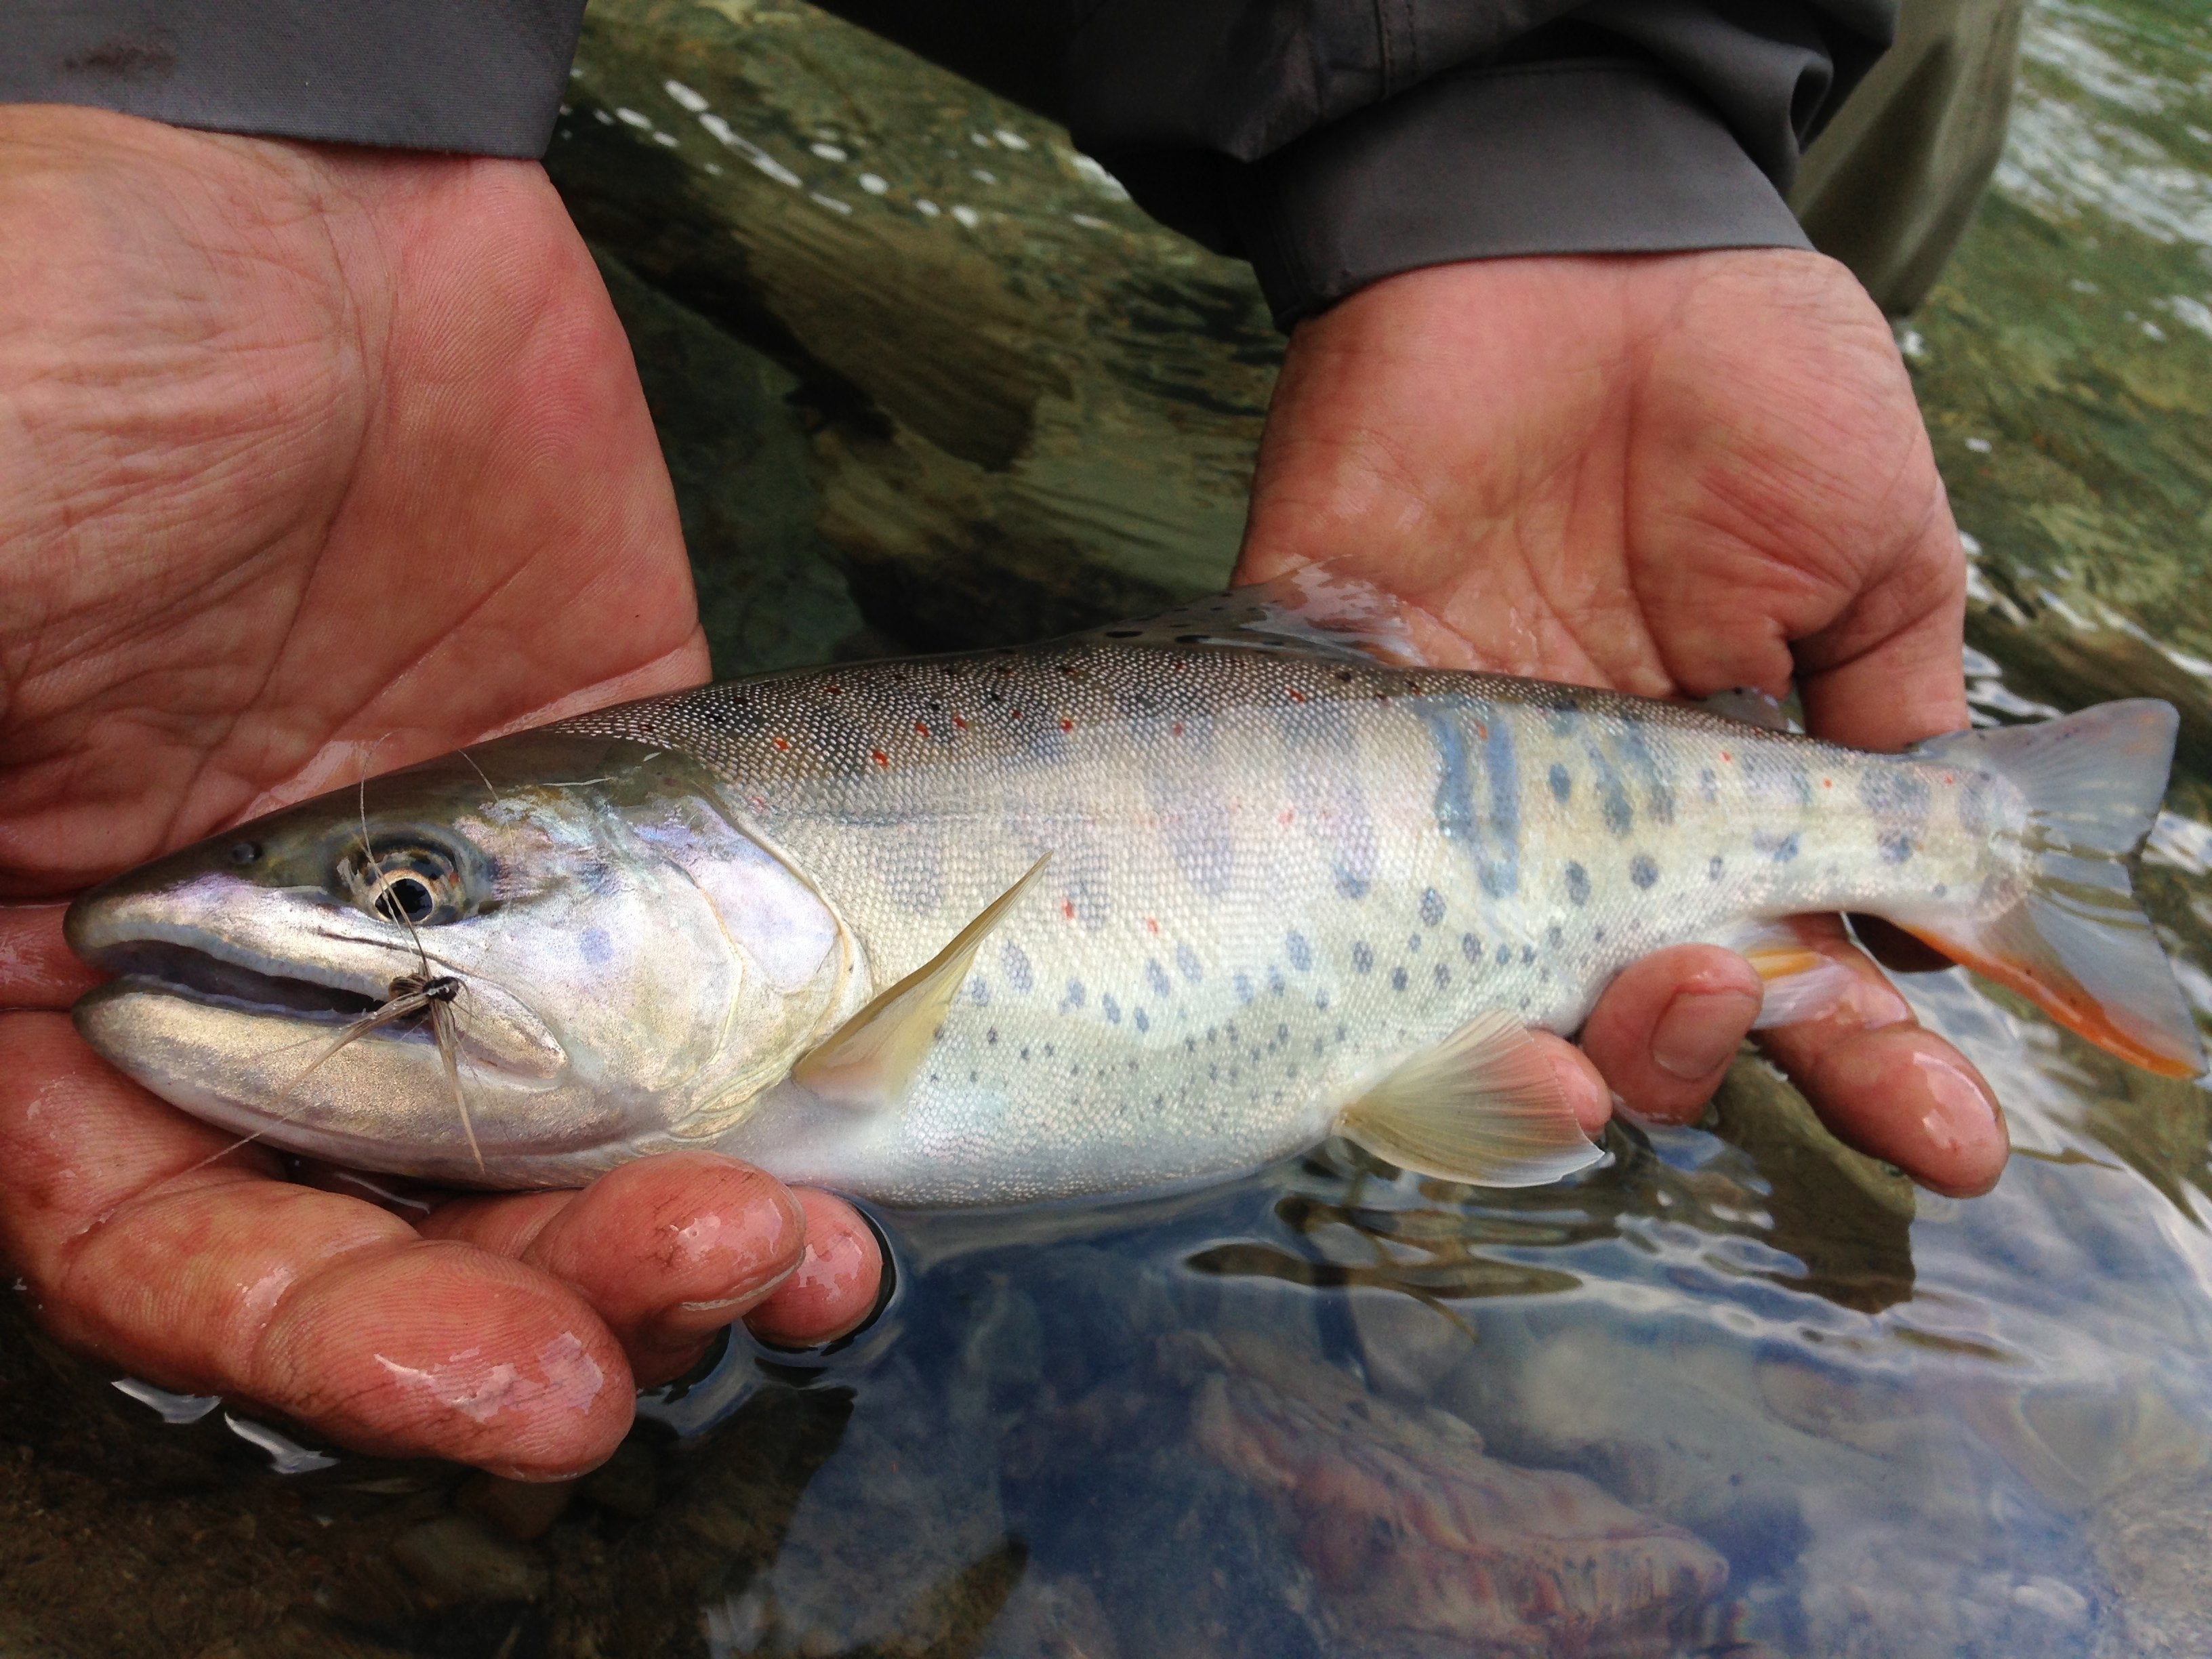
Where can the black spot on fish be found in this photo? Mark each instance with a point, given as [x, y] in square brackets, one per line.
[1713, 867]
[1075, 993]
[1504, 956]
[1349, 885]
[1398, 979]
[1363, 959]
[1783, 850]
[1709, 787]
[1016, 961]
[1274, 980]
[1143, 1023]
[1110, 1008]
[1156, 976]
[1443, 976]
[1414, 942]
[1553, 936]
[1620, 816]
[1300, 952]
[1433, 907]
[1642, 871]
[1470, 947]
[991, 1036]
[1243, 983]
[1528, 955]
[1186, 964]
[1896, 847]
[1941, 889]
[1562, 785]
[1578, 887]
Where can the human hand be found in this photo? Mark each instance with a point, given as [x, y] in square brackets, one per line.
[315, 462]
[1671, 475]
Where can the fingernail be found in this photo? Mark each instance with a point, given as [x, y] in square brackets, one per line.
[1699, 1030]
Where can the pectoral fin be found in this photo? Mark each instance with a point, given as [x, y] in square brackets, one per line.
[1482, 1107]
[871, 1060]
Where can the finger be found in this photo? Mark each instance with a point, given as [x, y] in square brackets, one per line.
[668, 1250]
[1891, 670]
[1664, 1031]
[1578, 1080]
[214, 1277]
[834, 1289]
[37, 968]
[1885, 1085]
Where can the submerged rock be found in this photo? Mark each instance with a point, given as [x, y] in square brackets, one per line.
[1418, 1542]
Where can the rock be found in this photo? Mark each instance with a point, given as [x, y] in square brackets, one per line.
[456, 1558]
[1421, 1543]
[523, 1510]
[628, 1483]
[1025, 408]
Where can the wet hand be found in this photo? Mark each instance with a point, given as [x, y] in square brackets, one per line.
[314, 462]
[1672, 475]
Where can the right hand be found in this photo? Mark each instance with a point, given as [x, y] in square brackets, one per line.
[314, 462]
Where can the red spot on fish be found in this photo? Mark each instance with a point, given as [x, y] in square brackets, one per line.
[922, 729]
[1481, 732]
[882, 759]
[1947, 777]
[1153, 924]
[1176, 730]
[1017, 713]
[1297, 696]
[1067, 726]
[962, 724]
[1287, 817]
[1727, 757]
[1067, 909]
[833, 689]
[781, 746]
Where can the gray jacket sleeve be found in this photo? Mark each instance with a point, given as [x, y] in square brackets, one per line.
[1329, 141]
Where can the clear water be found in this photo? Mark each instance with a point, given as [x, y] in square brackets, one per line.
[1331, 1410]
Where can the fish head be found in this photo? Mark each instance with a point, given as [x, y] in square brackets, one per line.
[615, 963]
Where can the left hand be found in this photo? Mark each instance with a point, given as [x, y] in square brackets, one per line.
[316, 461]
[1670, 475]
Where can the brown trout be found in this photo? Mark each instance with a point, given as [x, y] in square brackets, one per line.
[1143, 907]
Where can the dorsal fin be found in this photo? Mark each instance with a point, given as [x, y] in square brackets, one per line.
[1752, 707]
[870, 1060]
[1313, 611]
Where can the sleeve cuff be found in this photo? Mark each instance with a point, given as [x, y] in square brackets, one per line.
[480, 78]
[1584, 155]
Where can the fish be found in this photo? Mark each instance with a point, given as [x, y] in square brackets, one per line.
[1139, 909]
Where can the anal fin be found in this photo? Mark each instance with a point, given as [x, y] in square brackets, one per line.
[871, 1060]
[1801, 982]
[1483, 1107]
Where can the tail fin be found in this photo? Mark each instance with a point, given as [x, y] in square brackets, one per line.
[2076, 945]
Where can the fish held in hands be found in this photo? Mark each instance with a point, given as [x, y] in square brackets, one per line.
[1142, 907]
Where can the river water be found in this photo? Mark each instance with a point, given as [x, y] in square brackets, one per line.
[1736, 1391]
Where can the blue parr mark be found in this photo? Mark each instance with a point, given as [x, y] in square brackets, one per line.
[1492, 840]
[1563, 786]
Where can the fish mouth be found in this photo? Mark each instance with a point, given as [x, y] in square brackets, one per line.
[169, 969]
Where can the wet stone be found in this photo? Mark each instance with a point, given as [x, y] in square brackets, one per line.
[457, 1559]
[523, 1510]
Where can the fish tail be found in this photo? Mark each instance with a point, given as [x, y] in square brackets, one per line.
[2076, 942]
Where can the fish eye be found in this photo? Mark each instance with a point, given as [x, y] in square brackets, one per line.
[415, 884]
